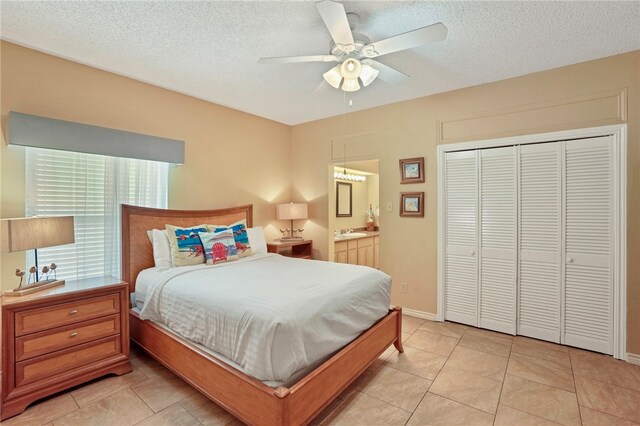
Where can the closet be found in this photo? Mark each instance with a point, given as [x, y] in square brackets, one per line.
[529, 240]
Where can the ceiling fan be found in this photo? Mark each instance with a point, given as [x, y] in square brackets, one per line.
[354, 52]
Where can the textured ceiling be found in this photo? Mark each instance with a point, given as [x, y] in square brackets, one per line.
[210, 49]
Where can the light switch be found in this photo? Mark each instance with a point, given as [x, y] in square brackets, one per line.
[389, 206]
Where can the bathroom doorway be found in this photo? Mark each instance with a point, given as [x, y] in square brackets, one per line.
[354, 213]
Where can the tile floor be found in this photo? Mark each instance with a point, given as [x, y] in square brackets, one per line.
[449, 374]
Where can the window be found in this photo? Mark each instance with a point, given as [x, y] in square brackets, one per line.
[90, 188]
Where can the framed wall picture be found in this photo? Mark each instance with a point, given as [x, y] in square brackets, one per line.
[412, 170]
[343, 199]
[412, 204]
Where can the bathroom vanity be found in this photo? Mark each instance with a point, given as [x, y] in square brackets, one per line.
[358, 248]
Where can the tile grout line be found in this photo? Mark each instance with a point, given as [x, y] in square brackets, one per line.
[142, 399]
[608, 414]
[573, 376]
[434, 379]
[66, 414]
[385, 402]
[166, 408]
[534, 415]
[504, 378]
[608, 383]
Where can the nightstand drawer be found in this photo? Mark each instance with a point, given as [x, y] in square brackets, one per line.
[66, 360]
[47, 318]
[48, 341]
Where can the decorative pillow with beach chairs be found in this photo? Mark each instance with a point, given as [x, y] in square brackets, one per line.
[186, 246]
[240, 237]
[219, 246]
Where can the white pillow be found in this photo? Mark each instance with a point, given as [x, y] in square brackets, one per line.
[161, 248]
[257, 241]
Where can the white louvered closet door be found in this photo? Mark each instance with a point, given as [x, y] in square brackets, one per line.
[461, 266]
[498, 227]
[588, 307]
[540, 267]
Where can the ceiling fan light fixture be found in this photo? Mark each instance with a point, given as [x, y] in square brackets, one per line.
[368, 74]
[350, 85]
[333, 76]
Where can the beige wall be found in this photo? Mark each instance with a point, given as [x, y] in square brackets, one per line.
[231, 157]
[605, 91]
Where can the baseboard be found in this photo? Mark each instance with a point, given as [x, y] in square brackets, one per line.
[631, 358]
[419, 314]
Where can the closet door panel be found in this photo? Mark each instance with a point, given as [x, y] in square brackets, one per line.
[461, 210]
[588, 229]
[540, 267]
[498, 223]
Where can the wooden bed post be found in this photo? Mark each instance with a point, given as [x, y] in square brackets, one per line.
[398, 342]
[282, 393]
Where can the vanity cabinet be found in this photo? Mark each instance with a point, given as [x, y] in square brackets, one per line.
[341, 257]
[361, 251]
[346, 252]
[365, 252]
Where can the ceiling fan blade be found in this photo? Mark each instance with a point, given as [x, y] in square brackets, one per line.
[293, 59]
[335, 18]
[409, 40]
[388, 74]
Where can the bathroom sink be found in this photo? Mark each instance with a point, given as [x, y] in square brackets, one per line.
[350, 236]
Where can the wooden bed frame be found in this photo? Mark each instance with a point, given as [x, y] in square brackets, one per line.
[247, 398]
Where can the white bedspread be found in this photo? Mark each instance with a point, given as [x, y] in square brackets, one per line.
[271, 315]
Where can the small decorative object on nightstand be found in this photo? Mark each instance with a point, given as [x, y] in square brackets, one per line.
[34, 233]
[302, 249]
[61, 337]
[291, 211]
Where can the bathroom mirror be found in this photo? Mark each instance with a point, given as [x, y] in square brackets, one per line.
[343, 199]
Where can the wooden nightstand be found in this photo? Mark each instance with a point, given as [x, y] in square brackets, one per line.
[58, 338]
[302, 249]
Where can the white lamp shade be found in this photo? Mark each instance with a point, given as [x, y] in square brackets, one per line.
[292, 211]
[350, 85]
[38, 232]
[368, 74]
[333, 76]
[350, 69]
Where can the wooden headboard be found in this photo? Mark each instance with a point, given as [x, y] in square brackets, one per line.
[137, 251]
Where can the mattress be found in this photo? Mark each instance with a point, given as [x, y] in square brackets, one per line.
[144, 280]
[272, 316]
[271, 383]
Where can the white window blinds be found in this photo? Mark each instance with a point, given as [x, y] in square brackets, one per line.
[90, 188]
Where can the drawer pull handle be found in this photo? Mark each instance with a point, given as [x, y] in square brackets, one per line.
[73, 312]
[74, 334]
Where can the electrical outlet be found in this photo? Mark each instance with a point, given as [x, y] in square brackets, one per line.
[403, 287]
[389, 206]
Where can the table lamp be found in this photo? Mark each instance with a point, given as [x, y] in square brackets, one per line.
[291, 211]
[34, 233]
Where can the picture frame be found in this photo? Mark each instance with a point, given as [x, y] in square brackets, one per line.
[412, 204]
[344, 199]
[412, 170]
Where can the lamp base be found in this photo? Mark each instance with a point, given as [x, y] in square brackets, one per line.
[32, 288]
